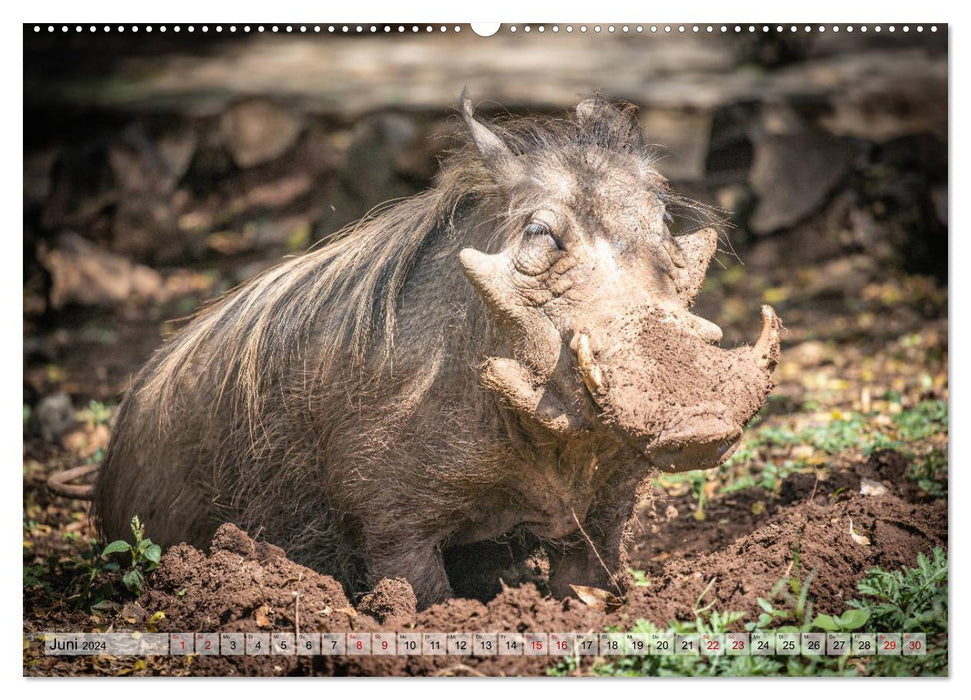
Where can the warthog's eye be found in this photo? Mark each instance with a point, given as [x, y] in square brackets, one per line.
[540, 230]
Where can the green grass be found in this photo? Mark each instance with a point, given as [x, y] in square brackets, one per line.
[911, 599]
[856, 432]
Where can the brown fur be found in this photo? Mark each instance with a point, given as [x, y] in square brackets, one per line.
[334, 403]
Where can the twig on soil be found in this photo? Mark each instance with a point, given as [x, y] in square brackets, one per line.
[698, 610]
[583, 532]
[296, 613]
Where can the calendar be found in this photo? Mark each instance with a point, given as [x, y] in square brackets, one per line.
[564, 644]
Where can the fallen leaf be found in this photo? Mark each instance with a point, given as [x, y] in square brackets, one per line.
[802, 451]
[261, 616]
[154, 620]
[597, 598]
[758, 508]
[869, 487]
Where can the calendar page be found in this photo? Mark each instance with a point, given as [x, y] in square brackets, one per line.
[517, 349]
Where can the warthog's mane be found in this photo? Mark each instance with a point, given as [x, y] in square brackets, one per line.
[343, 295]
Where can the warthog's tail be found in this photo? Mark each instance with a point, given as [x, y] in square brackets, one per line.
[60, 483]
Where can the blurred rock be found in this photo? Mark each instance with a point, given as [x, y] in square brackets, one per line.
[377, 142]
[83, 273]
[257, 130]
[939, 200]
[382, 157]
[145, 228]
[38, 168]
[55, 415]
[683, 137]
[82, 185]
[735, 200]
[906, 100]
[730, 144]
[341, 207]
[418, 160]
[772, 49]
[271, 194]
[145, 164]
[792, 175]
[176, 147]
[843, 277]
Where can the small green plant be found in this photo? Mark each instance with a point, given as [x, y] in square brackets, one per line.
[97, 457]
[34, 575]
[796, 610]
[911, 599]
[145, 556]
[640, 578]
[91, 585]
[929, 471]
[847, 622]
[923, 420]
[698, 481]
[97, 413]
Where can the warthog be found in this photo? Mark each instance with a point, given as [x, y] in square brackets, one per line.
[510, 351]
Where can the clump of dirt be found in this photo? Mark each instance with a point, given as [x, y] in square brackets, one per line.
[802, 539]
[726, 561]
[248, 586]
[391, 599]
[245, 586]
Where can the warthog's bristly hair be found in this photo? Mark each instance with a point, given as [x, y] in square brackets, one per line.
[359, 274]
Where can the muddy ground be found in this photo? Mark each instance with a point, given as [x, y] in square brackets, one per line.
[247, 586]
[135, 217]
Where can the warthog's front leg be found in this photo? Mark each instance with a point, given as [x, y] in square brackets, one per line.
[597, 555]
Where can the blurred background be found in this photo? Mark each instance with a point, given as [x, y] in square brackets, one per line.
[160, 170]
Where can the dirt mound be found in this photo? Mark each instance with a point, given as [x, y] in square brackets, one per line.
[248, 586]
[390, 599]
[245, 586]
[797, 541]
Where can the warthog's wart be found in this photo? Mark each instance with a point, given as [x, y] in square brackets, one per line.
[511, 351]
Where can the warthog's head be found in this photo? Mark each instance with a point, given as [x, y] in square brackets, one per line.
[591, 296]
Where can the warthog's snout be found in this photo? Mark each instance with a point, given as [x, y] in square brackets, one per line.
[681, 400]
[701, 443]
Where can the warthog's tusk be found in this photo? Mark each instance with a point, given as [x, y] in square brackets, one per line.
[767, 347]
[592, 376]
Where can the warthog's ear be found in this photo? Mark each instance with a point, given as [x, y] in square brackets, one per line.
[608, 123]
[698, 249]
[492, 149]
